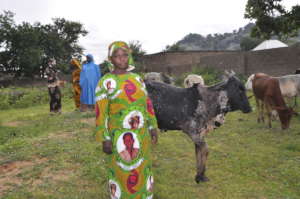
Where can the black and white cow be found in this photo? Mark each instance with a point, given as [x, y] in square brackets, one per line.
[192, 110]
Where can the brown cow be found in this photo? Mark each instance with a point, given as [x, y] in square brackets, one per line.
[266, 90]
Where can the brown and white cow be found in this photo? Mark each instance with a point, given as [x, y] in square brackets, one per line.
[289, 85]
[267, 94]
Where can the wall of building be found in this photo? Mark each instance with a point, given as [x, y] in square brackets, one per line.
[278, 61]
[174, 62]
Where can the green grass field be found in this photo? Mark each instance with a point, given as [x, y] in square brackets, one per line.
[56, 157]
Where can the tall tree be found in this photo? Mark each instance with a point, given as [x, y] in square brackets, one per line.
[137, 52]
[26, 48]
[272, 19]
[248, 43]
[174, 47]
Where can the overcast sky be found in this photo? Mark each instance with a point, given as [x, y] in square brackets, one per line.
[155, 23]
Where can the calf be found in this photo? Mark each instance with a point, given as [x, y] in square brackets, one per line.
[192, 110]
[267, 93]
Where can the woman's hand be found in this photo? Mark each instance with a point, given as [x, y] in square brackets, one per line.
[154, 136]
[107, 147]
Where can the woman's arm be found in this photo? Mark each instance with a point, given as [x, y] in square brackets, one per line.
[151, 121]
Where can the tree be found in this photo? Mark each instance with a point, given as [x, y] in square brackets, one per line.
[25, 49]
[137, 50]
[105, 67]
[248, 43]
[272, 19]
[174, 47]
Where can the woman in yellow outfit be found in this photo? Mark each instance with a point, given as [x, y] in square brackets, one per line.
[126, 124]
[75, 80]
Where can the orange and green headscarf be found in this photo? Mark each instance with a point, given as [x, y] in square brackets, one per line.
[116, 45]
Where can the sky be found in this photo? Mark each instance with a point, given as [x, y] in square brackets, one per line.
[154, 23]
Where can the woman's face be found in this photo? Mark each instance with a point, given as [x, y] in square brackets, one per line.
[120, 59]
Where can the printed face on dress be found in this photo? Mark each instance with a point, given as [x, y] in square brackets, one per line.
[128, 140]
[120, 59]
[134, 122]
[108, 85]
[113, 189]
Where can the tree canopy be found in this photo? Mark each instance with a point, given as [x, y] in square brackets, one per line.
[174, 47]
[26, 48]
[272, 19]
[248, 43]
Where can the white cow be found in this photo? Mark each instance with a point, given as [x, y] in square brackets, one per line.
[192, 79]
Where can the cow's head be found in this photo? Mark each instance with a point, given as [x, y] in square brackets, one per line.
[285, 116]
[236, 93]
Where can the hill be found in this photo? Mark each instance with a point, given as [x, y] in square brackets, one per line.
[226, 41]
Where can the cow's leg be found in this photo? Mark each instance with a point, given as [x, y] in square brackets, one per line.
[258, 110]
[201, 150]
[262, 112]
[269, 114]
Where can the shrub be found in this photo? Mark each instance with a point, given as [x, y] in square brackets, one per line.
[210, 75]
[4, 101]
[26, 97]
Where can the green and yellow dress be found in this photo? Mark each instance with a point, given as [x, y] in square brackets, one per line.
[125, 115]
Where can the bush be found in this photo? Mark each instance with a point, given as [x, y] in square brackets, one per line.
[4, 101]
[210, 75]
[26, 97]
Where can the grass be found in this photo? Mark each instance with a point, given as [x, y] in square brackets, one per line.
[56, 157]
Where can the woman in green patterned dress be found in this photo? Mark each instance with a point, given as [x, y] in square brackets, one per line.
[126, 125]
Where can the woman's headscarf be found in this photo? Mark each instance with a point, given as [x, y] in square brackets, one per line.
[116, 45]
[90, 56]
[76, 63]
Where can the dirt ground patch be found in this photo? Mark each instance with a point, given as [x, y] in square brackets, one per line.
[62, 134]
[14, 123]
[89, 121]
[10, 170]
[47, 174]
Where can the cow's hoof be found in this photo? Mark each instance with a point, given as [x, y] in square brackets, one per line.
[200, 178]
